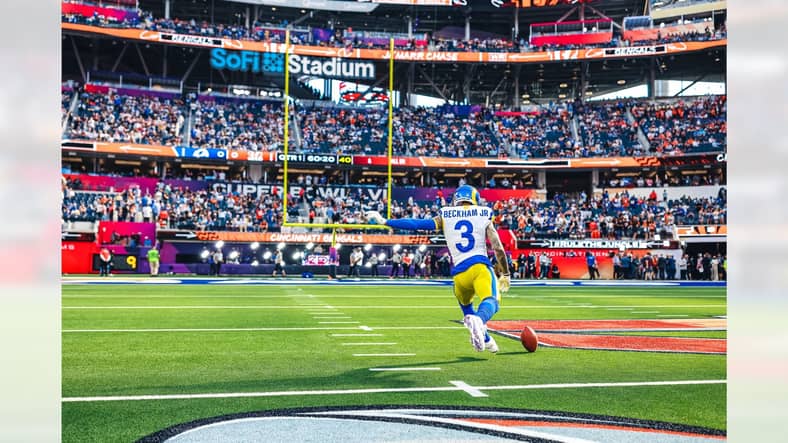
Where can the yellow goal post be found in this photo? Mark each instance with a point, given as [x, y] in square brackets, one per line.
[390, 123]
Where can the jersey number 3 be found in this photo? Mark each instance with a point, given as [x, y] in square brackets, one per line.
[466, 232]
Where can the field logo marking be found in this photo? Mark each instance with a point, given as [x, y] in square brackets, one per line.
[151, 397]
[431, 423]
[589, 334]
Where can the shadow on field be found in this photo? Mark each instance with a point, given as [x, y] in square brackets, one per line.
[352, 379]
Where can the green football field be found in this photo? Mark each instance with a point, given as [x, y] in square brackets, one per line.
[293, 346]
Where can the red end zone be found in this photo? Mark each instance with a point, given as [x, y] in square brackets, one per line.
[564, 334]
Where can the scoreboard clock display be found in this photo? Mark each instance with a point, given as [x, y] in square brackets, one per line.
[120, 262]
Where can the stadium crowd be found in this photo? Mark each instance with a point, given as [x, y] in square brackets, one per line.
[604, 130]
[429, 132]
[248, 124]
[616, 216]
[672, 128]
[123, 118]
[684, 126]
[660, 179]
[346, 131]
[546, 134]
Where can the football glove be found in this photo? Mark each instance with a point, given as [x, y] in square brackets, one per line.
[375, 217]
[503, 283]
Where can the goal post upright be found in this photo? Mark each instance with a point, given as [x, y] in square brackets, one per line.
[389, 150]
[390, 124]
[287, 122]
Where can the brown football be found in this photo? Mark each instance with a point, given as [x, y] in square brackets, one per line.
[528, 339]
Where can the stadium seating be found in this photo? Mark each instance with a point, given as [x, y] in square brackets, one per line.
[347, 131]
[546, 134]
[432, 133]
[676, 127]
[248, 124]
[604, 130]
[123, 118]
[66, 96]
[615, 216]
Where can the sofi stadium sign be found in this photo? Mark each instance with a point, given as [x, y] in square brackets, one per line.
[267, 62]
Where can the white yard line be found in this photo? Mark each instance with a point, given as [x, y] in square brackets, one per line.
[407, 354]
[115, 295]
[473, 392]
[354, 328]
[337, 322]
[370, 344]
[356, 335]
[212, 329]
[387, 390]
[385, 307]
[328, 318]
[672, 315]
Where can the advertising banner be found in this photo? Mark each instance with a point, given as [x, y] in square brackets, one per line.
[149, 185]
[77, 257]
[132, 149]
[382, 54]
[299, 238]
[316, 260]
[128, 234]
[116, 184]
[87, 10]
[572, 263]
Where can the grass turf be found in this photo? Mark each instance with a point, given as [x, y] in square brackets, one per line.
[158, 362]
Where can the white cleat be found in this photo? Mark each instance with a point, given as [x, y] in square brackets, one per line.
[475, 324]
[491, 346]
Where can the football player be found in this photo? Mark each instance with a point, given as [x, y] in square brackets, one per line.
[467, 226]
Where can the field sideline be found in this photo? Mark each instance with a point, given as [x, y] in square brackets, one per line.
[139, 358]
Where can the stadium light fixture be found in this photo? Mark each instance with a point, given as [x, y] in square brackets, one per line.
[233, 255]
[204, 254]
[219, 244]
[563, 85]
[280, 246]
[561, 95]
[410, 256]
[267, 255]
[381, 257]
[254, 246]
[255, 263]
[309, 246]
[422, 248]
[396, 248]
[368, 265]
[622, 82]
[367, 247]
[296, 255]
[589, 93]
[338, 246]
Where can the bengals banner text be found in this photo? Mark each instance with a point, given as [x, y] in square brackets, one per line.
[399, 55]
